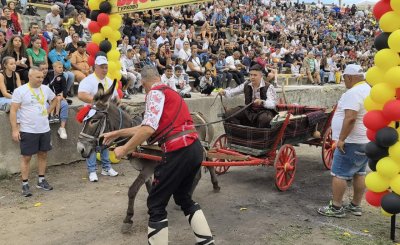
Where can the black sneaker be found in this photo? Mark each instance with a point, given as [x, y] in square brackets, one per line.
[25, 191]
[44, 185]
[355, 210]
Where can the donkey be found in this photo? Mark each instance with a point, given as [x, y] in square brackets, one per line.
[105, 116]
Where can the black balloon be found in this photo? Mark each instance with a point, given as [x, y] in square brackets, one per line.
[105, 46]
[375, 152]
[94, 14]
[100, 53]
[105, 7]
[391, 203]
[372, 164]
[387, 137]
[381, 41]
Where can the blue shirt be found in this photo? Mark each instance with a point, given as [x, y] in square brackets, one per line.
[54, 56]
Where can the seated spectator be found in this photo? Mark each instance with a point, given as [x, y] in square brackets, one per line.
[128, 72]
[36, 55]
[194, 68]
[58, 53]
[234, 66]
[168, 78]
[65, 6]
[34, 31]
[9, 81]
[12, 23]
[163, 59]
[4, 28]
[73, 46]
[312, 71]
[79, 62]
[68, 39]
[49, 33]
[199, 18]
[223, 71]
[182, 82]
[14, 14]
[54, 17]
[153, 59]
[162, 38]
[206, 83]
[59, 86]
[16, 49]
[84, 20]
[50, 77]
[3, 40]
[123, 47]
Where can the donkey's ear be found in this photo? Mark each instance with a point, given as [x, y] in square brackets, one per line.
[108, 94]
[100, 92]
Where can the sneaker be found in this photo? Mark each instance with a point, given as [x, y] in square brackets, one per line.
[56, 119]
[5, 107]
[25, 191]
[93, 177]
[355, 210]
[51, 119]
[44, 185]
[126, 96]
[330, 211]
[63, 133]
[111, 172]
[187, 96]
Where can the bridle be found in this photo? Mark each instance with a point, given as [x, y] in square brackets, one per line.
[102, 128]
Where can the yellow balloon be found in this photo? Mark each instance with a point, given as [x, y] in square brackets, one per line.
[114, 44]
[113, 55]
[392, 77]
[371, 105]
[382, 92]
[394, 40]
[384, 213]
[94, 4]
[106, 31]
[395, 5]
[394, 152]
[395, 184]
[389, 22]
[374, 75]
[119, 66]
[113, 158]
[118, 76]
[387, 167]
[97, 38]
[386, 59]
[376, 183]
[115, 36]
[112, 66]
[115, 21]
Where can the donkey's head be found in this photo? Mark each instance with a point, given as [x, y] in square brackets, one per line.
[104, 116]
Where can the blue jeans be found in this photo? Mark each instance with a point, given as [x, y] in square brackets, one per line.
[352, 162]
[91, 161]
[64, 111]
[4, 100]
[70, 77]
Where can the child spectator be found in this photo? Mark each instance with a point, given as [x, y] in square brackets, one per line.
[182, 82]
[206, 83]
[59, 86]
[168, 77]
[9, 81]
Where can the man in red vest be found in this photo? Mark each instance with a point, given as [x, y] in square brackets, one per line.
[167, 121]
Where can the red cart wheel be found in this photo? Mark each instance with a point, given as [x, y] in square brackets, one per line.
[328, 148]
[285, 165]
[220, 143]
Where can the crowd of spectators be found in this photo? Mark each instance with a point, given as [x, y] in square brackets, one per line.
[198, 48]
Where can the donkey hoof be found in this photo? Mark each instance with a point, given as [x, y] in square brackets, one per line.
[217, 189]
[126, 228]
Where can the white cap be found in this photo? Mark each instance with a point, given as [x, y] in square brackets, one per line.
[129, 47]
[353, 69]
[101, 60]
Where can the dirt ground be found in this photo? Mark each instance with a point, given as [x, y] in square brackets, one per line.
[247, 210]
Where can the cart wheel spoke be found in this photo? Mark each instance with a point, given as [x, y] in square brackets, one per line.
[221, 143]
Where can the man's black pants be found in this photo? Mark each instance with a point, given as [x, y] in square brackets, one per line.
[174, 176]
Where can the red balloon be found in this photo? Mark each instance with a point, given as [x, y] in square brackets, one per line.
[375, 120]
[374, 198]
[391, 110]
[371, 134]
[381, 8]
[120, 93]
[92, 49]
[94, 27]
[103, 19]
[90, 60]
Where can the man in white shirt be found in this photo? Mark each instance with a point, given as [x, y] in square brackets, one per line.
[234, 67]
[162, 38]
[54, 17]
[179, 42]
[33, 132]
[128, 71]
[200, 18]
[168, 78]
[349, 159]
[185, 53]
[87, 89]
